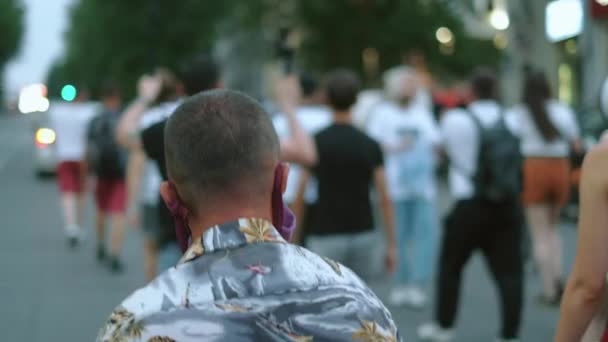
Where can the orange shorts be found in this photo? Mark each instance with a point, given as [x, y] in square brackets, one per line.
[546, 181]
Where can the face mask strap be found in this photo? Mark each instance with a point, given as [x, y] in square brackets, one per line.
[180, 219]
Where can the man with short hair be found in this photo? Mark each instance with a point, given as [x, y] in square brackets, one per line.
[70, 122]
[313, 116]
[410, 138]
[349, 164]
[239, 278]
[107, 161]
[494, 227]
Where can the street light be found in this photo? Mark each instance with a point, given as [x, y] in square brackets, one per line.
[444, 35]
[499, 19]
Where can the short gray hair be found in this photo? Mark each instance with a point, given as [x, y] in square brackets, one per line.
[217, 141]
[393, 80]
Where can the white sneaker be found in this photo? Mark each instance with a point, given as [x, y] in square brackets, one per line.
[432, 332]
[398, 296]
[416, 298]
[409, 296]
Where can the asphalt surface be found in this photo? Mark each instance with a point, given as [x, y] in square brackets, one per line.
[51, 293]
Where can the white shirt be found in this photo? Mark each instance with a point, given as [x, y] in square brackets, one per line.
[401, 131]
[461, 140]
[313, 119]
[532, 142]
[71, 122]
[152, 179]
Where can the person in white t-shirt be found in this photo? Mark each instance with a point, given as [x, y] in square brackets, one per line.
[70, 122]
[474, 223]
[547, 129]
[409, 137]
[313, 116]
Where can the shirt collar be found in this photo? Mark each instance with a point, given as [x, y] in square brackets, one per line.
[230, 235]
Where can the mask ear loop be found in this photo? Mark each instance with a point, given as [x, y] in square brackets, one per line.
[180, 219]
[282, 217]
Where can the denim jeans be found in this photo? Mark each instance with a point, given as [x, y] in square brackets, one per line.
[357, 251]
[417, 238]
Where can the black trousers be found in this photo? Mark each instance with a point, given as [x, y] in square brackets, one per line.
[496, 231]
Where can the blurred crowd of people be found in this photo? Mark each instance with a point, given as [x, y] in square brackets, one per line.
[361, 160]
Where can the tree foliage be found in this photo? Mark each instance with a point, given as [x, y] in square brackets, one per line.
[335, 33]
[11, 30]
[120, 40]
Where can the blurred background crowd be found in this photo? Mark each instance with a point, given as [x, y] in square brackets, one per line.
[84, 77]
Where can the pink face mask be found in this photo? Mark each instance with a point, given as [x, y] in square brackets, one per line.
[282, 217]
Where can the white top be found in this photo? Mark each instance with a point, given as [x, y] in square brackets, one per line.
[71, 122]
[152, 178]
[408, 137]
[532, 142]
[313, 119]
[461, 140]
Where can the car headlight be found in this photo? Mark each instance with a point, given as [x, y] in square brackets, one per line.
[45, 136]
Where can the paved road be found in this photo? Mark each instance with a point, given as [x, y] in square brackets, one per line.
[49, 293]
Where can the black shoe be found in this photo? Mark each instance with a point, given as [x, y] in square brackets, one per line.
[552, 302]
[101, 252]
[116, 265]
[72, 242]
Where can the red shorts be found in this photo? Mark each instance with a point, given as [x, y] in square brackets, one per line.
[70, 176]
[111, 195]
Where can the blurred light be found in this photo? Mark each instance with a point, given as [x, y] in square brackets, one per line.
[563, 19]
[32, 99]
[602, 2]
[68, 92]
[571, 47]
[444, 35]
[45, 136]
[500, 40]
[499, 19]
[371, 61]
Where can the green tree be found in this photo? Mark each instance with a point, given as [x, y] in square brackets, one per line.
[11, 31]
[335, 33]
[120, 40]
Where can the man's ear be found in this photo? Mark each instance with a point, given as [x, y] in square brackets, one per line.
[168, 193]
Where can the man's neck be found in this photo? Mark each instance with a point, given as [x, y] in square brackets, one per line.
[342, 117]
[218, 215]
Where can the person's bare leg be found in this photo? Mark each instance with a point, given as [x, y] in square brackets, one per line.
[556, 246]
[150, 258]
[539, 218]
[118, 233]
[68, 206]
[100, 226]
[81, 200]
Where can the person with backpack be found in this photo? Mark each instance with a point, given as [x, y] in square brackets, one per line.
[409, 137]
[107, 161]
[548, 129]
[485, 180]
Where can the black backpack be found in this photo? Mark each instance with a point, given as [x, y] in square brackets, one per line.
[499, 166]
[105, 157]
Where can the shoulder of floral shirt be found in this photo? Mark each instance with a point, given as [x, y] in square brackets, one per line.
[172, 288]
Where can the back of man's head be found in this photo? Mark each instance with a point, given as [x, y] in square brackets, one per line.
[400, 82]
[220, 143]
[308, 84]
[342, 87]
[484, 84]
[200, 74]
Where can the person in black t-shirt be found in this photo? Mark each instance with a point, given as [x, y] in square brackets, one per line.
[349, 163]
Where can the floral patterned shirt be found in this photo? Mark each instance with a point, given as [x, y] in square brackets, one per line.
[242, 282]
